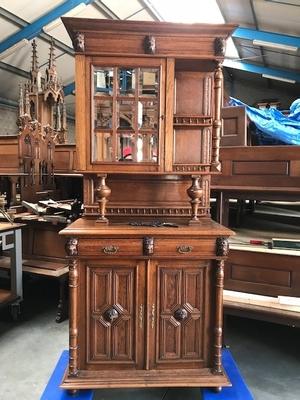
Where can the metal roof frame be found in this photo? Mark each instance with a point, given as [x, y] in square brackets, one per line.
[32, 30]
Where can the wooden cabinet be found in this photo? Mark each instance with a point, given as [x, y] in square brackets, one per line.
[148, 313]
[146, 271]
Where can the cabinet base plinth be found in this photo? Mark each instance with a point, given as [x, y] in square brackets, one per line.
[142, 379]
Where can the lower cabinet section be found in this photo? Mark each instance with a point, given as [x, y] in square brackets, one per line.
[146, 314]
[146, 319]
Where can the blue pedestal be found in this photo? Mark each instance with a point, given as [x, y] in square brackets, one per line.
[54, 392]
[238, 391]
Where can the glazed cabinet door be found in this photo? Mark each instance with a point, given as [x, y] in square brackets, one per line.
[126, 114]
[179, 314]
[115, 314]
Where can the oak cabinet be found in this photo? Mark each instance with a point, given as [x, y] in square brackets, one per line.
[146, 271]
[146, 303]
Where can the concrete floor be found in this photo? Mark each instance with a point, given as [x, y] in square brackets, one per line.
[268, 355]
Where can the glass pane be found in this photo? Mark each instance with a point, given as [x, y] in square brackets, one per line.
[149, 82]
[103, 81]
[126, 146]
[147, 147]
[126, 111]
[102, 149]
[126, 78]
[149, 113]
[103, 113]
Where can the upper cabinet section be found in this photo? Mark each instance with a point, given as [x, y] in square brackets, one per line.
[163, 39]
[148, 95]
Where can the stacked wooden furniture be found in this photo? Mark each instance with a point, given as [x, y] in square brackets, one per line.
[269, 173]
[146, 288]
[27, 170]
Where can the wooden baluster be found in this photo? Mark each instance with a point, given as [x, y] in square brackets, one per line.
[71, 250]
[102, 193]
[195, 192]
[221, 251]
[217, 122]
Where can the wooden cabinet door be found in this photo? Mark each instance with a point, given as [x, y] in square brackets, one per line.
[115, 306]
[179, 311]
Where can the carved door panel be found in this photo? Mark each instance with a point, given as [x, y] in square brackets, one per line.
[180, 314]
[115, 325]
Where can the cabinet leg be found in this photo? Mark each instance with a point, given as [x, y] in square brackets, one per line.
[62, 307]
[73, 392]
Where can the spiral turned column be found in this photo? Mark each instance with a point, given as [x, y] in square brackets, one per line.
[102, 193]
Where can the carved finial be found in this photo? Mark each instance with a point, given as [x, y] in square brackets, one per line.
[35, 75]
[34, 61]
[102, 192]
[21, 101]
[220, 46]
[51, 73]
[79, 41]
[27, 100]
[195, 192]
[149, 44]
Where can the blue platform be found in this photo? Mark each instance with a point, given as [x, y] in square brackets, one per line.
[238, 391]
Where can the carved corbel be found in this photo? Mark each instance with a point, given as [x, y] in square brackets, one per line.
[220, 46]
[149, 44]
[79, 42]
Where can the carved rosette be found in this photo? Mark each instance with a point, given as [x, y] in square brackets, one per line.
[220, 46]
[79, 42]
[149, 44]
[222, 248]
[71, 247]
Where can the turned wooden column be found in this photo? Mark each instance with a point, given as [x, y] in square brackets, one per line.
[102, 192]
[221, 251]
[217, 122]
[72, 251]
[195, 192]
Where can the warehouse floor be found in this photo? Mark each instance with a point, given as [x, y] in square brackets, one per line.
[268, 355]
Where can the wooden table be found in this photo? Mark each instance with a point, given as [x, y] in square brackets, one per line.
[11, 241]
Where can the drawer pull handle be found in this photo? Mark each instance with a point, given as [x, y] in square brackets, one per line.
[184, 249]
[110, 249]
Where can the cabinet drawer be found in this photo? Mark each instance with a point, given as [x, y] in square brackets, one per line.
[185, 247]
[110, 247]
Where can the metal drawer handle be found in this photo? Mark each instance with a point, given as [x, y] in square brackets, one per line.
[110, 249]
[184, 249]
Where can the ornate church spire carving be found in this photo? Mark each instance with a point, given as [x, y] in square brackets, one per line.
[35, 75]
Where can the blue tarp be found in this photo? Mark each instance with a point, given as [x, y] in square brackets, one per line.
[285, 128]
